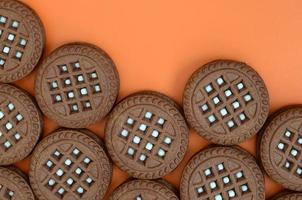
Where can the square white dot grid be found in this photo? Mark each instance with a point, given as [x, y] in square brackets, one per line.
[223, 112]
[76, 65]
[220, 81]
[244, 188]
[11, 37]
[78, 171]
[161, 152]
[70, 95]
[63, 68]
[130, 121]
[87, 104]
[23, 42]
[59, 172]
[148, 115]
[288, 134]
[299, 140]
[87, 160]
[124, 133]
[218, 197]
[19, 117]
[6, 49]
[142, 157]
[80, 78]
[76, 152]
[287, 164]
[97, 88]
[2, 62]
[17, 136]
[80, 190]
[149, 146]
[247, 97]
[67, 81]
[142, 127]
[3, 19]
[89, 180]
[1, 31]
[220, 167]
[51, 182]
[208, 88]
[139, 197]
[1, 115]
[15, 24]
[294, 152]
[84, 91]
[226, 180]
[228, 93]
[11, 106]
[199, 190]
[242, 117]
[7, 144]
[54, 85]
[240, 86]
[136, 140]
[93, 75]
[299, 171]
[207, 172]
[8, 126]
[49, 163]
[69, 181]
[161, 121]
[131, 151]
[11, 193]
[75, 107]
[239, 175]
[155, 133]
[236, 105]
[216, 100]
[61, 191]
[231, 124]
[58, 98]
[281, 146]
[167, 140]
[213, 185]
[204, 107]
[211, 118]
[67, 162]
[232, 193]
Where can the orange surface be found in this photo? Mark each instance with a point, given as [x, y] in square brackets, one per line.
[158, 44]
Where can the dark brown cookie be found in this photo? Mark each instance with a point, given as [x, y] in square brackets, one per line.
[288, 196]
[22, 40]
[21, 124]
[281, 148]
[70, 164]
[222, 173]
[14, 186]
[146, 135]
[226, 102]
[77, 85]
[143, 190]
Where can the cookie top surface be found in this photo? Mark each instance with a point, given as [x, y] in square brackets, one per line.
[77, 85]
[146, 135]
[288, 196]
[70, 164]
[281, 148]
[220, 173]
[20, 124]
[226, 102]
[14, 186]
[143, 190]
[22, 40]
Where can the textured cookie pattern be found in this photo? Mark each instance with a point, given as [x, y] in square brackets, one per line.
[143, 190]
[14, 186]
[146, 135]
[20, 124]
[77, 85]
[22, 40]
[281, 148]
[226, 102]
[222, 173]
[69, 164]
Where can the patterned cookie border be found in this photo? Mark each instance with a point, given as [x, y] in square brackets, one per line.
[20, 182]
[236, 152]
[218, 65]
[92, 144]
[35, 117]
[288, 196]
[264, 146]
[109, 68]
[37, 28]
[136, 184]
[163, 102]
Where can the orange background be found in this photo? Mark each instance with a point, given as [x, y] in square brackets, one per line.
[157, 44]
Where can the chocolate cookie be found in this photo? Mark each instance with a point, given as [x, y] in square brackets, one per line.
[143, 190]
[281, 148]
[226, 102]
[289, 196]
[22, 40]
[222, 173]
[77, 85]
[70, 164]
[14, 186]
[146, 135]
[20, 124]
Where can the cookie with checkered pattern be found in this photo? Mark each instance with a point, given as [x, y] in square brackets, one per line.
[14, 186]
[146, 135]
[226, 102]
[220, 173]
[77, 85]
[281, 147]
[70, 164]
[143, 190]
[21, 124]
[22, 40]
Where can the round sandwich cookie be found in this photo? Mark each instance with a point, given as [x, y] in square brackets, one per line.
[288, 196]
[22, 40]
[146, 135]
[281, 148]
[226, 102]
[21, 124]
[14, 186]
[77, 85]
[143, 190]
[220, 173]
[70, 164]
